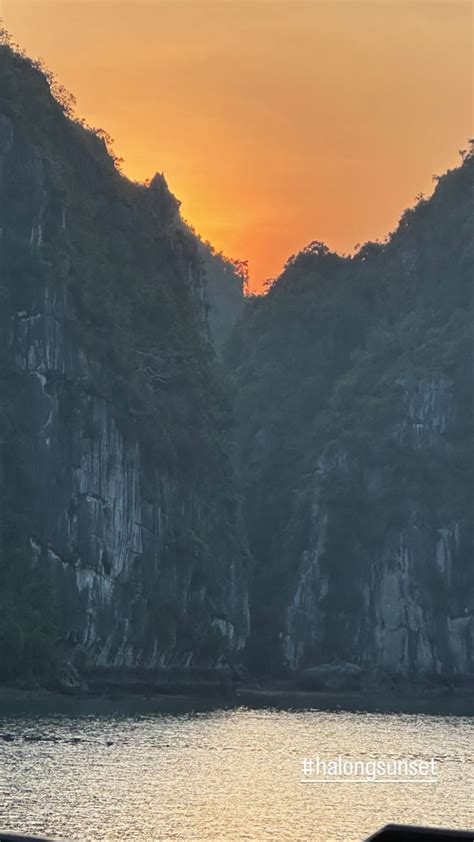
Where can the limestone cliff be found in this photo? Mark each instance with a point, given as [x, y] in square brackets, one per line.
[401, 602]
[354, 400]
[116, 486]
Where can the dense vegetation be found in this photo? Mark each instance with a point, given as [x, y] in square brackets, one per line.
[319, 365]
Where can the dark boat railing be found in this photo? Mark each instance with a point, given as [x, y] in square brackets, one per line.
[408, 833]
[18, 837]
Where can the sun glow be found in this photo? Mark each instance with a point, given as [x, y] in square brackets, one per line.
[275, 124]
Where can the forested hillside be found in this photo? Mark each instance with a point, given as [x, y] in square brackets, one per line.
[353, 386]
[120, 533]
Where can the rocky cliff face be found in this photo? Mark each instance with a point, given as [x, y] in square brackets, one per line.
[354, 398]
[125, 560]
[225, 293]
[409, 610]
[116, 485]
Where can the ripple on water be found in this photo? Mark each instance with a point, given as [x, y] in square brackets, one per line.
[225, 775]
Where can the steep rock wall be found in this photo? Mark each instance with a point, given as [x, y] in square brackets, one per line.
[139, 538]
[353, 394]
[408, 611]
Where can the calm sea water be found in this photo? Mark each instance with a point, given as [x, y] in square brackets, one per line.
[224, 774]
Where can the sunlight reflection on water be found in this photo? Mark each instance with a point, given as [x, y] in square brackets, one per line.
[225, 775]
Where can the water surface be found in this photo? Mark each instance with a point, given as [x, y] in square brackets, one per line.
[185, 773]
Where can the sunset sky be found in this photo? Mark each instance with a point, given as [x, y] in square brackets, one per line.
[276, 122]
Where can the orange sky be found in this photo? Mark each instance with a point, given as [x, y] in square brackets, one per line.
[276, 122]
